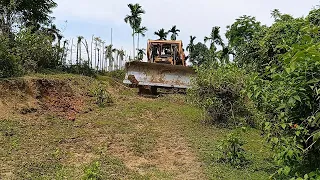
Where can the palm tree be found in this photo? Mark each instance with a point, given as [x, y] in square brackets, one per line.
[141, 53]
[174, 32]
[190, 46]
[79, 49]
[214, 38]
[109, 50]
[97, 48]
[141, 31]
[64, 51]
[52, 31]
[276, 14]
[85, 43]
[162, 34]
[121, 55]
[134, 19]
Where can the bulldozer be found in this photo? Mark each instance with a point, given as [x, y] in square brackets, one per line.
[165, 68]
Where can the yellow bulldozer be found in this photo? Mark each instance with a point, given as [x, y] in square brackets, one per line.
[166, 68]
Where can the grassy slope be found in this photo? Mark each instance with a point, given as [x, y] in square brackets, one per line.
[136, 138]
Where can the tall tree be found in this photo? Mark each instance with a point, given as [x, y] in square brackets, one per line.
[190, 46]
[174, 32]
[140, 31]
[79, 41]
[121, 55]
[64, 52]
[162, 34]
[97, 42]
[109, 53]
[85, 44]
[134, 19]
[214, 38]
[29, 13]
[200, 54]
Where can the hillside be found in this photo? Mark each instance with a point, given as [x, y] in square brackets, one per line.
[51, 127]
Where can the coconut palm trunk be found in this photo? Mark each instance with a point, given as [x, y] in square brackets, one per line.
[133, 43]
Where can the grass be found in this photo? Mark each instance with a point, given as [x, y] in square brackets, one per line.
[205, 138]
[136, 138]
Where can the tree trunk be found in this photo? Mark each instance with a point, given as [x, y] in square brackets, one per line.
[138, 41]
[77, 60]
[133, 44]
[71, 52]
[98, 61]
[80, 53]
[91, 51]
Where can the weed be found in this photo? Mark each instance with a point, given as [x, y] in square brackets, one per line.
[103, 98]
[92, 172]
[232, 150]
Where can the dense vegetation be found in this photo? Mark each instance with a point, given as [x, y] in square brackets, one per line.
[30, 42]
[272, 84]
[265, 77]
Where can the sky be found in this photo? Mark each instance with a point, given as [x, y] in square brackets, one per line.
[192, 17]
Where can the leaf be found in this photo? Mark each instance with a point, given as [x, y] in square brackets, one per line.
[292, 101]
[286, 170]
[256, 95]
[313, 81]
[283, 125]
[290, 153]
[288, 70]
[293, 66]
[316, 136]
[297, 98]
[249, 94]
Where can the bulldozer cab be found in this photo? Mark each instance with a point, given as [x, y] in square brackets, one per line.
[165, 51]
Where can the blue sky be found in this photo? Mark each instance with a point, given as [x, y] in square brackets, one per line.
[192, 17]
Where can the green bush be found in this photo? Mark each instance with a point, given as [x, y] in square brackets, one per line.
[117, 75]
[9, 65]
[232, 150]
[219, 92]
[290, 97]
[34, 51]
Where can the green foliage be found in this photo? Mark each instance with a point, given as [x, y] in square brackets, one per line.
[118, 75]
[200, 54]
[34, 51]
[232, 150]
[276, 85]
[314, 16]
[9, 65]
[92, 172]
[290, 97]
[218, 92]
[162, 34]
[27, 13]
[103, 98]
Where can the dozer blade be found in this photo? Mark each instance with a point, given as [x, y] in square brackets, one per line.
[158, 75]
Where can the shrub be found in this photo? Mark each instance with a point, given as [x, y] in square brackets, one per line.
[233, 151]
[118, 75]
[103, 98]
[9, 66]
[291, 97]
[34, 51]
[218, 92]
